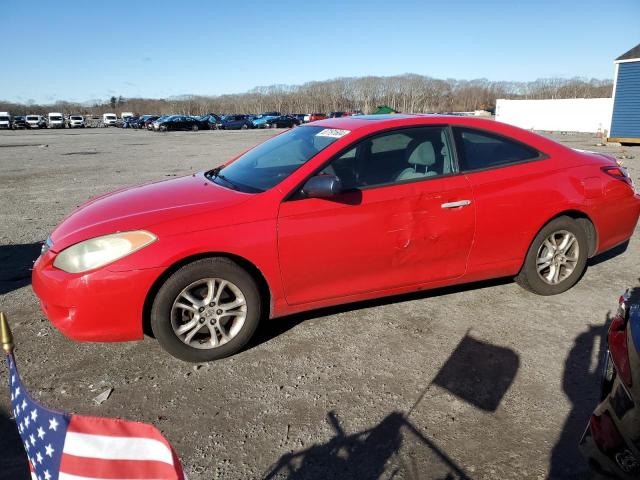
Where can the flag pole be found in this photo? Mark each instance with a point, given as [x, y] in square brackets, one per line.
[5, 335]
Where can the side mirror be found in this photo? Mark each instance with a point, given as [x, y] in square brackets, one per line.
[322, 186]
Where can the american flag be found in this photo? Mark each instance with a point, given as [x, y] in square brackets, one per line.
[62, 446]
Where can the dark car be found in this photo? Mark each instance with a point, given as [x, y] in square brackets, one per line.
[139, 122]
[283, 121]
[235, 122]
[182, 122]
[19, 121]
[129, 122]
[148, 123]
[611, 442]
[155, 123]
[212, 120]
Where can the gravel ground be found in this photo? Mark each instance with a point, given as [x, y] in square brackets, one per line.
[480, 381]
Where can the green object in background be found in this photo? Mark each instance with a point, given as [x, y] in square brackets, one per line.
[384, 110]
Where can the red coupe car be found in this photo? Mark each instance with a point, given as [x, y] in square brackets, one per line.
[336, 211]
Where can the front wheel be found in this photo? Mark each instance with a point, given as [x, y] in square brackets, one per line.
[194, 128]
[244, 126]
[556, 259]
[208, 309]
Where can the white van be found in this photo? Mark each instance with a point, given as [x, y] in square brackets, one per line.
[76, 121]
[125, 115]
[109, 119]
[56, 120]
[5, 120]
[35, 121]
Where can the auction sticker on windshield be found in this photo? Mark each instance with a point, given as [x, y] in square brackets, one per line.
[332, 132]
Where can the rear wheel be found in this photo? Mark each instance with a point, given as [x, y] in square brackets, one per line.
[194, 128]
[208, 309]
[556, 259]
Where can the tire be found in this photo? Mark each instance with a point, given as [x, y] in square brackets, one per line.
[244, 126]
[550, 260]
[167, 316]
[194, 128]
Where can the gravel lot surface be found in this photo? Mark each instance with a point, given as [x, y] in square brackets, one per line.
[480, 381]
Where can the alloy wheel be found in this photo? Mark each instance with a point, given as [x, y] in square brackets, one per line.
[557, 257]
[208, 313]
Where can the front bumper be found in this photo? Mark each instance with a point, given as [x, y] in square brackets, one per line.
[101, 305]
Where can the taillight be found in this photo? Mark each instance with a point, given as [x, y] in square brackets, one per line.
[618, 172]
[618, 346]
[604, 432]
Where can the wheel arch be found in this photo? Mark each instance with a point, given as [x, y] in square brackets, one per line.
[584, 220]
[251, 268]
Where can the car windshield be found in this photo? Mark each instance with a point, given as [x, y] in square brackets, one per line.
[110, 117]
[55, 117]
[76, 118]
[271, 162]
[30, 117]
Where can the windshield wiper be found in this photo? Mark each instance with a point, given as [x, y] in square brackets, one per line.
[215, 173]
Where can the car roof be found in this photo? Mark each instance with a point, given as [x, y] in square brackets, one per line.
[356, 122]
[369, 124]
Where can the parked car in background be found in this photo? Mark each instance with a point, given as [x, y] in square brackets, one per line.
[205, 257]
[262, 120]
[109, 119]
[76, 121]
[611, 442]
[301, 117]
[127, 115]
[128, 122]
[5, 120]
[317, 116]
[36, 121]
[182, 122]
[283, 121]
[19, 121]
[212, 120]
[148, 123]
[336, 114]
[139, 122]
[155, 125]
[235, 122]
[56, 120]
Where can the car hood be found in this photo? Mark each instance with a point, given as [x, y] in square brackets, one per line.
[145, 206]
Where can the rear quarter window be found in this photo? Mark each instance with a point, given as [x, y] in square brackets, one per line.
[479, 149]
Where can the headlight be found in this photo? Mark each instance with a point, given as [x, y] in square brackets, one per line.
[100, 251]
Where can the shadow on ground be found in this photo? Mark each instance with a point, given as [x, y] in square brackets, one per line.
[476, 372]
[581, 384]
[17, 262]
[609, 254]
[13, 460]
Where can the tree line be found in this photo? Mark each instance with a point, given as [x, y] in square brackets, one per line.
[409, 93]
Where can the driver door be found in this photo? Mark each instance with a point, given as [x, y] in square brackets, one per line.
[389, 227]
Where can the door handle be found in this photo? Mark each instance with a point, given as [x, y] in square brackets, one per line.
[459, 203]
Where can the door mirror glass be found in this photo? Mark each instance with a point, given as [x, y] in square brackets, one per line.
[322, 186]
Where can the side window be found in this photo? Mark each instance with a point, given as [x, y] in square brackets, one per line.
[393, 157]
[480, 149]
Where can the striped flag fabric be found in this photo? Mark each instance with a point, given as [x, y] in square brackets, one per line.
[62, 446]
